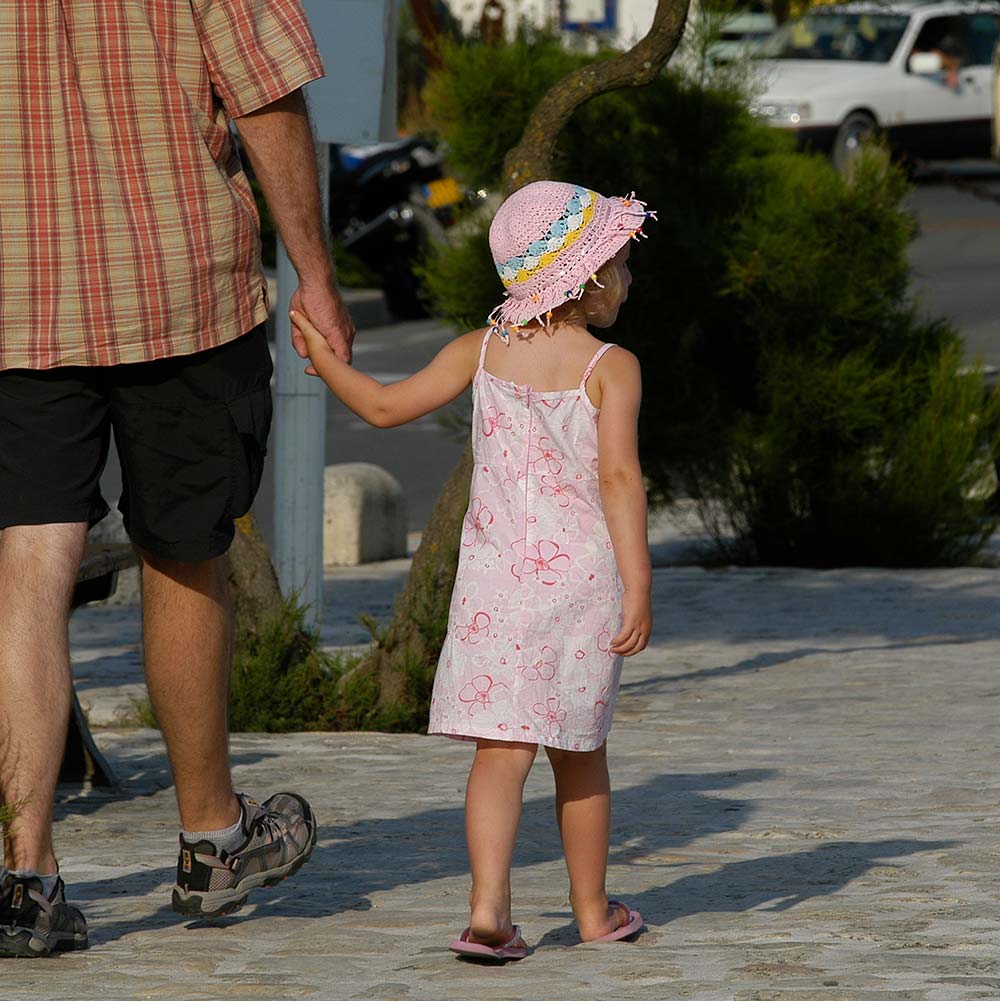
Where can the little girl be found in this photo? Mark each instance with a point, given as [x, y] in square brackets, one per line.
[553, 584]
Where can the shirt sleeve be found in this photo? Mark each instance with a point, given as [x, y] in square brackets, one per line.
[257, 51]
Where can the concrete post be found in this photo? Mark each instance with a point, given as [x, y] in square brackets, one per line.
[299, 446]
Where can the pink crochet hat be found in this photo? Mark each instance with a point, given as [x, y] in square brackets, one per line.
[549, 238]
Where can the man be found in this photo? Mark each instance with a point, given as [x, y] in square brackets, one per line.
[132, 301]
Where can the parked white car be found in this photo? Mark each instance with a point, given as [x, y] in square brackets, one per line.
[742, 31]
[920, 73]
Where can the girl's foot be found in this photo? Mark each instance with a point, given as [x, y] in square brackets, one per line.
[513, 948]
[486, 927]
[599, 926]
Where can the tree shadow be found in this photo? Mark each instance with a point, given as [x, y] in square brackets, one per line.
[773, 882]
[659, 684]
[354, 860]
[858, 605]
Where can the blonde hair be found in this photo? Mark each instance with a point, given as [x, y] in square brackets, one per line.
[596, 298]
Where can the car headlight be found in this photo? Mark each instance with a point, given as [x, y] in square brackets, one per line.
[781, 112]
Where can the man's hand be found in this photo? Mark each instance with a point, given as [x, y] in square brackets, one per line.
[325, 309]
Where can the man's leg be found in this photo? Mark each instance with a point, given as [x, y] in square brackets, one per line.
[38, 565]
[187, 636]
[53, 444]
[191, 433]
[229, 845]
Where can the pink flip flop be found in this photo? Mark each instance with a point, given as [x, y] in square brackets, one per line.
[633, 925]
[492, 954]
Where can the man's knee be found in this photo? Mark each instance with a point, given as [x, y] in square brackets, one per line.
[200, 575]
[49, 554]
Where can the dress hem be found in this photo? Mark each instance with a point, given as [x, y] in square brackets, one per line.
[470, 737]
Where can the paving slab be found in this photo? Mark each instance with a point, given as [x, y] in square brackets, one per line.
[807, 792]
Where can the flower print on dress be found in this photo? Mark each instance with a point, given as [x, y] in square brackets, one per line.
[514, 476]
[551, 404]
[604, 639]
[480, 693]
[600, 714]
[543, 561]
[477, 520]
[495, 420]
[562, 493]
[544, 457]
[551, 711]
[476, 630]
[543, 669]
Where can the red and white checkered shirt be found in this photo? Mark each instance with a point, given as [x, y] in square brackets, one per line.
[128, 231]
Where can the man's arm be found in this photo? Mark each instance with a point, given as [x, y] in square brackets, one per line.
[280, 144]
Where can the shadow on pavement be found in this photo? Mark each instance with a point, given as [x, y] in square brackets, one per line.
[356, 860]
[659, 684]
[773, 882]
[918, 607]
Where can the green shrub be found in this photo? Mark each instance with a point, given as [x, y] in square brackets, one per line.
[140, 713]
[791, 387]
[480, 101]
[864, 436]
[282, 681]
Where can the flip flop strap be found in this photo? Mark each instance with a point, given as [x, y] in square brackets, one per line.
[513, 939]
[466, 935]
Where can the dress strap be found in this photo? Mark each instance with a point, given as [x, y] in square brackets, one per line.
[482, 350]
[593, 362]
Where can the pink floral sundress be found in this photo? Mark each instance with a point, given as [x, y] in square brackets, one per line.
[537, 597]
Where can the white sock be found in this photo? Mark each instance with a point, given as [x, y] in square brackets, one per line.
[225, 840]
[48, 882]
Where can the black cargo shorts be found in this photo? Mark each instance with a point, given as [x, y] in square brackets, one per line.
[191, 433]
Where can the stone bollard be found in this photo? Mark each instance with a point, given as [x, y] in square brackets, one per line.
[364, 515]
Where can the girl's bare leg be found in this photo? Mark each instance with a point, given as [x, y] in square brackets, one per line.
[492, 816]
[583, 809]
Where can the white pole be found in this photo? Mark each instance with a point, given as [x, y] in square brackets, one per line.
[299, 446]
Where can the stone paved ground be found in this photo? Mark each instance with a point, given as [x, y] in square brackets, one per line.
[807, 774]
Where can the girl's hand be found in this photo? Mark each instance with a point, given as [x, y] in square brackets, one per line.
[316, 345]
[438, 383]
[637, 624]
[322, 305]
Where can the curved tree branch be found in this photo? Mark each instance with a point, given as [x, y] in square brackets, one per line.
[531, 159]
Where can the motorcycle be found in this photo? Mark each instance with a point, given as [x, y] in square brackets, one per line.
[389, 202]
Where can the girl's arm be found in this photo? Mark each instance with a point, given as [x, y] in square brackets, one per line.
[623, 495]
[448, 374]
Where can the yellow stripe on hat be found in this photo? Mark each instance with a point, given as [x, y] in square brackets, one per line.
[547, 258]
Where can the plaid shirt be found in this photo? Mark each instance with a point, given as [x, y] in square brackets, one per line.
[128, 231]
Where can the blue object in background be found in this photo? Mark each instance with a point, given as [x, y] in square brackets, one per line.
[569, 15]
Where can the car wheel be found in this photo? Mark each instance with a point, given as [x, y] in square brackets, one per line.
[857, 127]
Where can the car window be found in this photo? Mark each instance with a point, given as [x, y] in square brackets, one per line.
[960, 40]
[860, 37]
[982, 31]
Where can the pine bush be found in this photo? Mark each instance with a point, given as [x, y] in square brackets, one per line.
[791, 386]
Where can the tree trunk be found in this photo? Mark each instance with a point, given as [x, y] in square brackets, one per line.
[404, 659]
[252, 578]
[402, 663]
[430, 31]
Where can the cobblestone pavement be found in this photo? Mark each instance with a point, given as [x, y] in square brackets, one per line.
[807, 790]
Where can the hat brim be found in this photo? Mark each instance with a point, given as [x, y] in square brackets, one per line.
[564, 279]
